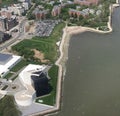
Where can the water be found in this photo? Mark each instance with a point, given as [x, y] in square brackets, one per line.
[92, 81]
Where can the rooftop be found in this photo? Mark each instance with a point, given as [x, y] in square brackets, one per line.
[4, 58]
[7, 61]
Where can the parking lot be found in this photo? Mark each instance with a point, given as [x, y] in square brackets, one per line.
[45, 28]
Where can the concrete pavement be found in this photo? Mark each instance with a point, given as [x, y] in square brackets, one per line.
[14, 39]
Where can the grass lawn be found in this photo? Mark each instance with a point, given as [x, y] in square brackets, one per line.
[51, 98]
[8, 2]
[19, 66]
[5, 87]
[47, 45]
[8, 107]
[14, 78]
[8, 75]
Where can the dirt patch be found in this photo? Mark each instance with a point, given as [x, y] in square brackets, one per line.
[39, 55]
[30, 27]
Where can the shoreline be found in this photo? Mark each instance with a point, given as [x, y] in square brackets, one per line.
[67, 33]
[63, 49]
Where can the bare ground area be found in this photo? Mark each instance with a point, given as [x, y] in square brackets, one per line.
[39, 55]
[30, 28]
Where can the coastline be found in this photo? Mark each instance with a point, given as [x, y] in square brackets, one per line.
[67, 33]
[63, 49]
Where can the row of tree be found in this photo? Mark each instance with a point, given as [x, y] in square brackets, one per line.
[8, 107]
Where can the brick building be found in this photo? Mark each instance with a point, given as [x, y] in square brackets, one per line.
[5, 13]
[40, 14]
[73, 12]
[86, 2]
[56, 10]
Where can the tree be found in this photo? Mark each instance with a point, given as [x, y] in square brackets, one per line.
[8, 107]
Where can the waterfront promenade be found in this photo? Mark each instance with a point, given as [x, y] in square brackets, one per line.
[67, 33]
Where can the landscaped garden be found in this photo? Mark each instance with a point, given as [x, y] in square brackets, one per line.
[51, 98]
[8, 75]
[8, 107]
[19, 66]
[47, 46]
[8, 2]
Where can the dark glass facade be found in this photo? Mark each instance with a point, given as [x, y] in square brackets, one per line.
[40, 83]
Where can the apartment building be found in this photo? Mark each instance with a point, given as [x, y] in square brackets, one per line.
[4, 36]
[86, 2]
[7, 23]
[56, 10]
[73, 12]
[40, 13]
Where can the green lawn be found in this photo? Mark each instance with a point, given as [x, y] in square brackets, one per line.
[51, 98]
[5, 87]
[14, 78]
[8, 2]
[47, 45]
[19, 66]
[8, 75]
[8, 107]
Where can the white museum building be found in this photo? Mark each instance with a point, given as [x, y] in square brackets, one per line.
[27, 96]
[7, 61]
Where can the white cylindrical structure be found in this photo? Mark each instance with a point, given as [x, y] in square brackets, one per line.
[23, 99]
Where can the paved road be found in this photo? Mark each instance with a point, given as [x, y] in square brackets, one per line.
[21, 33]
[16, 73]
[11, 41]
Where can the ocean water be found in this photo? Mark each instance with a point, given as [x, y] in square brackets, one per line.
[92, 80]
